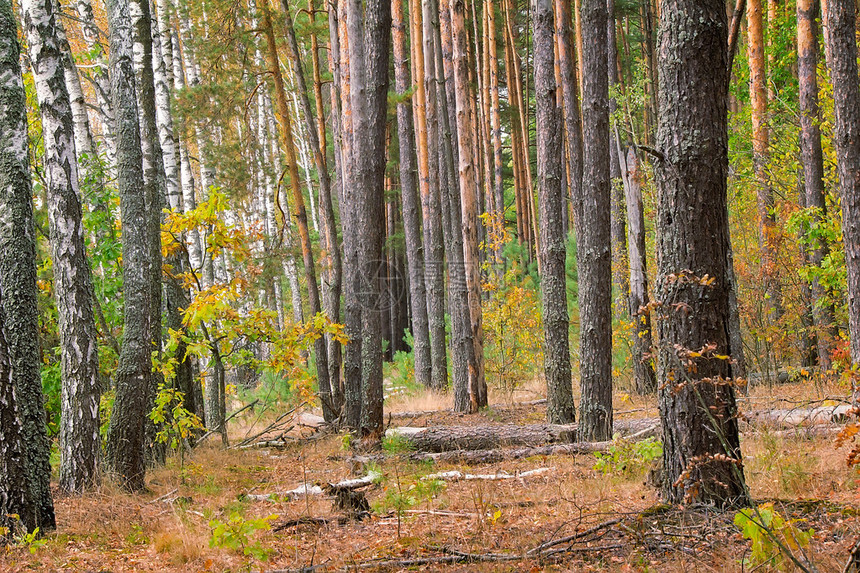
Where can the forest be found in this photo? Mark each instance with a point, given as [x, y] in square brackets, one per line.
[469, 285]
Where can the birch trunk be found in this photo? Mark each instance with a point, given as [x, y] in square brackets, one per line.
[73, 288]
[125, 440]
[25, 457]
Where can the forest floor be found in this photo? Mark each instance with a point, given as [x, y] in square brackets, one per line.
[214, 513]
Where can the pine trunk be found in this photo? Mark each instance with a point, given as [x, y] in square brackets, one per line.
[593, 247]
[469, 191]
[369, 34]
[429, 181]
[550, 147]
[412, 216]
[572, 121]
[842, 62]
[761, 137]
[813, 167]
[701, 449]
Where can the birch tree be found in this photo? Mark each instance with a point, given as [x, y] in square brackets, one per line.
[25, 471]
[73, 288]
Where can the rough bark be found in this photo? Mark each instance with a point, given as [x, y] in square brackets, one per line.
[125, 440]
[643, 367]
[412, 216]
[349, 202]
[467, 171]
[813, 166]
[427, 120]
[24, 468]
[369, 35]
[761, 143]
[331, 261]
[593, 248]
[73, 288]
[299, 205]
[572, 121]
[14, 494]
[842, 62]
[702, 458]
[550, 147]
[464, 370]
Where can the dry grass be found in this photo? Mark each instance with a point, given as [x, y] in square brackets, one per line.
[109, 530]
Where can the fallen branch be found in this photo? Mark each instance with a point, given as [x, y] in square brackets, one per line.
[278, 421]
[230, 417]
[457, 476]
[544, 546]
[316, 489]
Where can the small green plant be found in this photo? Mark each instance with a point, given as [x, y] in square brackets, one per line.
[774, 539]
[237, 533]
[174, 422]
[628, 458]
[32, 541]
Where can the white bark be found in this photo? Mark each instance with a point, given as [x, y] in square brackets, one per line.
[79, 426]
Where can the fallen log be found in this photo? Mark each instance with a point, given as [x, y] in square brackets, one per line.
[317, 489]
[787, 418]
[455, 475]
[490, 437]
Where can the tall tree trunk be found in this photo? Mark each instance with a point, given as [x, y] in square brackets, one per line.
[329, 412]
[550, 147]
[468, 197]
[496, 128]
[335, 350]
[100, 76]
[813, 166]
[429, 182]
[464, 369]
[369, 35]
[618, 232]
[760, 133]
[572, 121]
[593, 249]
[412, 217]
[353, 310]
[332, 279]
[27, 450]
[643, 368]
[651, 84]
[842, 62]
[331, 259]
[73, 288]
[701, 448]
[154, 181]
[125, 440]
[15, 497]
